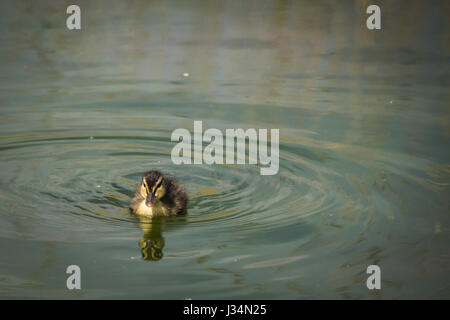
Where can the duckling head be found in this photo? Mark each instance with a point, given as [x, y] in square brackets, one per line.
[152, 187]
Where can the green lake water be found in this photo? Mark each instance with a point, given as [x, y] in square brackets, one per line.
[364, 149]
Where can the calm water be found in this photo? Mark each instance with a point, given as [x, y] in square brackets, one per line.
[364, 149]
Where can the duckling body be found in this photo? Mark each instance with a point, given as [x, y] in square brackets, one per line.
[158, 195]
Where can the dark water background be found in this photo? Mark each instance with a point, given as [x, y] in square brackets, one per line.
[364, 148]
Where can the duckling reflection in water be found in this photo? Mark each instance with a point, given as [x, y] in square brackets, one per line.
[158, 195]
[152, 242]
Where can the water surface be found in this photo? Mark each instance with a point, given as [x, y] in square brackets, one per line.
[364, 161]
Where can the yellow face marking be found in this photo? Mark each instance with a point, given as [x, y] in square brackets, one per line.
[156, 184]
[146, 185]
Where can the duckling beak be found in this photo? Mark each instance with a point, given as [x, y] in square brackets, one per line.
[150, 200]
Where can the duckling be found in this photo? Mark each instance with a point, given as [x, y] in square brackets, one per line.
[159, 195]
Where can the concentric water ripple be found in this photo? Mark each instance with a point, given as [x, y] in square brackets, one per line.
[91, 179]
